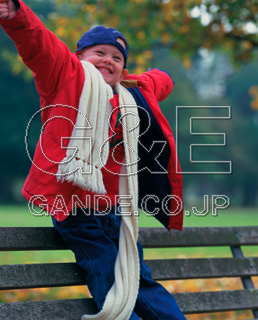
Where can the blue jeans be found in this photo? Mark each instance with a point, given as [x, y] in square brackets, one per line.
[94, 240]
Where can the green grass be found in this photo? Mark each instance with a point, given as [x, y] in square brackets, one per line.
[229, 217]
[11, 216]
[20, 216]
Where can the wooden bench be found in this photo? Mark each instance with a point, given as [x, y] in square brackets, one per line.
[68, 274]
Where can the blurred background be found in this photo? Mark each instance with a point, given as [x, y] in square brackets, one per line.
[210, 48]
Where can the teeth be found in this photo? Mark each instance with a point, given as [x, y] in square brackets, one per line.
[104, 69]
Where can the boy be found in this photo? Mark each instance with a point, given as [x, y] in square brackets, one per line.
[107, 149]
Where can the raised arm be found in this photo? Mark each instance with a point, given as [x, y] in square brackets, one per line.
[48, 57]
[7, 9]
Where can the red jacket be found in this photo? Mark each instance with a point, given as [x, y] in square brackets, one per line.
[59, 79]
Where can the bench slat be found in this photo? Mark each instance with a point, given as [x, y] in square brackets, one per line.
[73, 309]
[199, 237]
[46, 310]
[201, 302]
[30, 238]
[46, 238]
[40, 276]
[68, 274]
[176, 269]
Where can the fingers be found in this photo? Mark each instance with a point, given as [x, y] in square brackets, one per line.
[4, 9]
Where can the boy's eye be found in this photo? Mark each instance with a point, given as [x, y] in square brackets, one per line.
[100, 52]
[117, 58]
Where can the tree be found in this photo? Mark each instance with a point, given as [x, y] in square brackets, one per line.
[184, 26]
[19, 101]
[163, 34]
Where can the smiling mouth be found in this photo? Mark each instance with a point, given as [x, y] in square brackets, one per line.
[105, 70]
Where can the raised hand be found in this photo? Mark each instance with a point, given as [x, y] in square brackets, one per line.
[7, 9]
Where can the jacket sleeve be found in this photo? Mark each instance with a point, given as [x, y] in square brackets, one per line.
[40, 50]
[158, 81]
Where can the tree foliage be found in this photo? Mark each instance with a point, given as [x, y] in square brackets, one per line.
[184, 26]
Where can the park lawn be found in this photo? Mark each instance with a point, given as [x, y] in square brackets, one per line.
[20, 216]
[11, 216]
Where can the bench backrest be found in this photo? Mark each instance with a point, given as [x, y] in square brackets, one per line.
[68, 274]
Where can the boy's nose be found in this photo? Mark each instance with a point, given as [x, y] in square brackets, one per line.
[108, 60]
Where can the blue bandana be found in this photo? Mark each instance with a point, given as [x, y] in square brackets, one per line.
[103, 35]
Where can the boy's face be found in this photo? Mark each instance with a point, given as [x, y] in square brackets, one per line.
[108, 59]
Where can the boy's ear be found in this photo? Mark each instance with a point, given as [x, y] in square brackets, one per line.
[124, 74]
